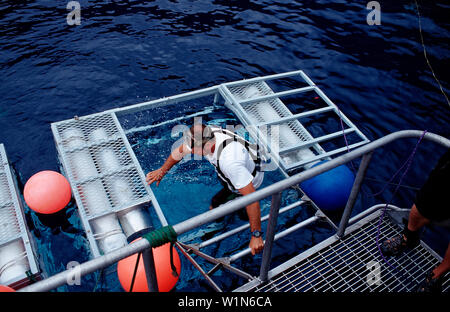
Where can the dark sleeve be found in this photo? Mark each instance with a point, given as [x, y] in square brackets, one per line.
[431, 198]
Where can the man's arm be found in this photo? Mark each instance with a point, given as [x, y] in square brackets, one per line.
[254, 217]
[174, 158]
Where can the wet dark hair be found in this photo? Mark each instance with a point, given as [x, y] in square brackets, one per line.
[205, 136]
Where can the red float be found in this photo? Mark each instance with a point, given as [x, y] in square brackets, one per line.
[47, 192]
[166, 280]
[4, 288]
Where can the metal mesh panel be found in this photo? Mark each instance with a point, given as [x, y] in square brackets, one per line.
[103, 158]
[343, 266]
[125, 188]
[9, 224]
[291, 133]
[5, 192]
[111, 193]
[289, 141]
[76, 132]
[273, 108]
[105, 176]
[16, 251]
[98, 162]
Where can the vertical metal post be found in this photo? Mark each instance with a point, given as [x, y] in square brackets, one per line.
[354, 193]
[271, 225]
[150, 274]
[216, 99]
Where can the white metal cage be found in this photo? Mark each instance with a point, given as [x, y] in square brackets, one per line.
[106, 179]
[17, 258]
[260, 108]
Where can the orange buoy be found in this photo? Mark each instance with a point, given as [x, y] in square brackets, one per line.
[4, 288]
[166, 280]
[47, 192]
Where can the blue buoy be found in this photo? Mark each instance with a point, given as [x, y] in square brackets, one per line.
[331, 189]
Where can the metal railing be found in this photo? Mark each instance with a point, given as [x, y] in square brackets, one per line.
[273, 190]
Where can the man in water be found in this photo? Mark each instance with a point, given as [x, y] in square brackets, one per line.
[237, 165]
[430, 206]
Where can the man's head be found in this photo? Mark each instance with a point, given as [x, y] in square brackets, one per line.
[200, 139]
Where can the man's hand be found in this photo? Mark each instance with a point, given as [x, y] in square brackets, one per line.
[156, 175]
[174, 157]
[254, 217]
[256, 245]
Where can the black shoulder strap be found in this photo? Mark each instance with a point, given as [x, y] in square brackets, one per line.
[256, 158]
[236, 138]
[219, 171]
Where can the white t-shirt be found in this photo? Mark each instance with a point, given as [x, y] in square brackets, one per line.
[235, 163]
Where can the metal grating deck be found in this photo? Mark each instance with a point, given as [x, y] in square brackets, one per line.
[343, 265]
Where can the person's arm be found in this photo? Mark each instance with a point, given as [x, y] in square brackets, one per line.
[254, 216]
[174, 158]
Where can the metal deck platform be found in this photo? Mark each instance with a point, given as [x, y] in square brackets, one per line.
[344, 265]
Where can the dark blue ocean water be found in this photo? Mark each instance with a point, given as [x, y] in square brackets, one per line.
[126, 52]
